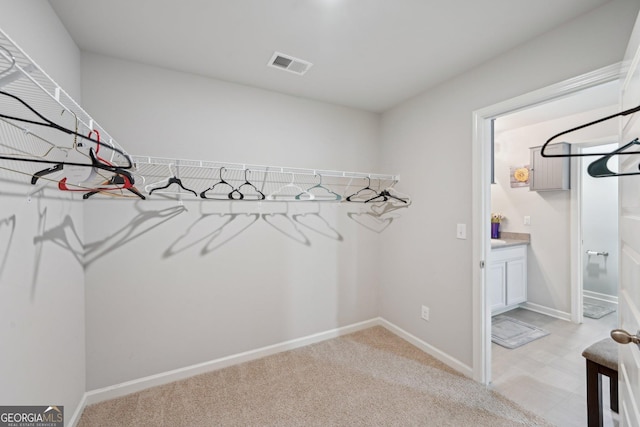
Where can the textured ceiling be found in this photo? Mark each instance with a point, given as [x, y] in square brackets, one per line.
[367, 54]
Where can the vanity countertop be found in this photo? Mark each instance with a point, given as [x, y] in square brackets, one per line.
[508, 239]
[505, 243]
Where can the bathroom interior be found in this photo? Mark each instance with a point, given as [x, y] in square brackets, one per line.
[548, 220]
[550, 237]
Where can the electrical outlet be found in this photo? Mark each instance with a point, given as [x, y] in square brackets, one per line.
[527, 220]
[425, 312]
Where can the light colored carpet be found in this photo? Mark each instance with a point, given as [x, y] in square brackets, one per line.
[595, 311]
[369, 378]
[513, 333]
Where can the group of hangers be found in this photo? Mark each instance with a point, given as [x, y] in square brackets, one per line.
[599, 168]
[47, 123]
[78, 168]
[369, 195]
[234, 193]
[82, 168]
[222, 189]
[317, 192]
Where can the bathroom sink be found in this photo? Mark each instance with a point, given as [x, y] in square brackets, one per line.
[498, 242]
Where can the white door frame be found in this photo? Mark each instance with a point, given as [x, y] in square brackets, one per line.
[481, 204]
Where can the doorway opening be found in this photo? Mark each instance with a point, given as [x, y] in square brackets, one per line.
[571, 307]
[599, 235]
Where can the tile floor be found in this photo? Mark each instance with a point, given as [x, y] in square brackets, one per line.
[548, 376]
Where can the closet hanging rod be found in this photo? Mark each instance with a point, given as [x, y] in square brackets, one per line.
[147, 160]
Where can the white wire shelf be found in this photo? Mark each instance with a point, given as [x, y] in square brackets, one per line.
[274, 182]
[201, 164]
[26, 142]
[21, 77]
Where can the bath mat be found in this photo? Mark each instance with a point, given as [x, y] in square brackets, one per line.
[512, 333]
[595, 311]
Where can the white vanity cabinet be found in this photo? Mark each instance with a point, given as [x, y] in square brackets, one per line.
[507, 277]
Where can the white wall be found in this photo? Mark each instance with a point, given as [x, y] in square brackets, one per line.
[36, 28]
[549, 254]
[165, 292]
[42, 361]
[427, 139]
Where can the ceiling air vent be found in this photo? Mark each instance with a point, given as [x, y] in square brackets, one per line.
[289, 63]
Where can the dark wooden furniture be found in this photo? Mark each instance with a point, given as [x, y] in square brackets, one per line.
[602, 359]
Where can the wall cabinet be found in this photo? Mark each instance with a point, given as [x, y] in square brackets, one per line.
[550, 173]
[507, 277]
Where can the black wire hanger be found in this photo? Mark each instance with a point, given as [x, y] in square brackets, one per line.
[50, 124]
[44, 172]
[220, 181]
[385, 195]
[367, 188]
[59, 164]
[173, 180]
[599, 168]
[122, 179]
[96, 161]
[595, 122]
[260, 194]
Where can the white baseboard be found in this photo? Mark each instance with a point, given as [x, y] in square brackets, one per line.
[429, 349]
[123, 389]
[596, 297]
[78, 412]
[548, 311]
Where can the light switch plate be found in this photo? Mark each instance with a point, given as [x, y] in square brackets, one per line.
[461, 231]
